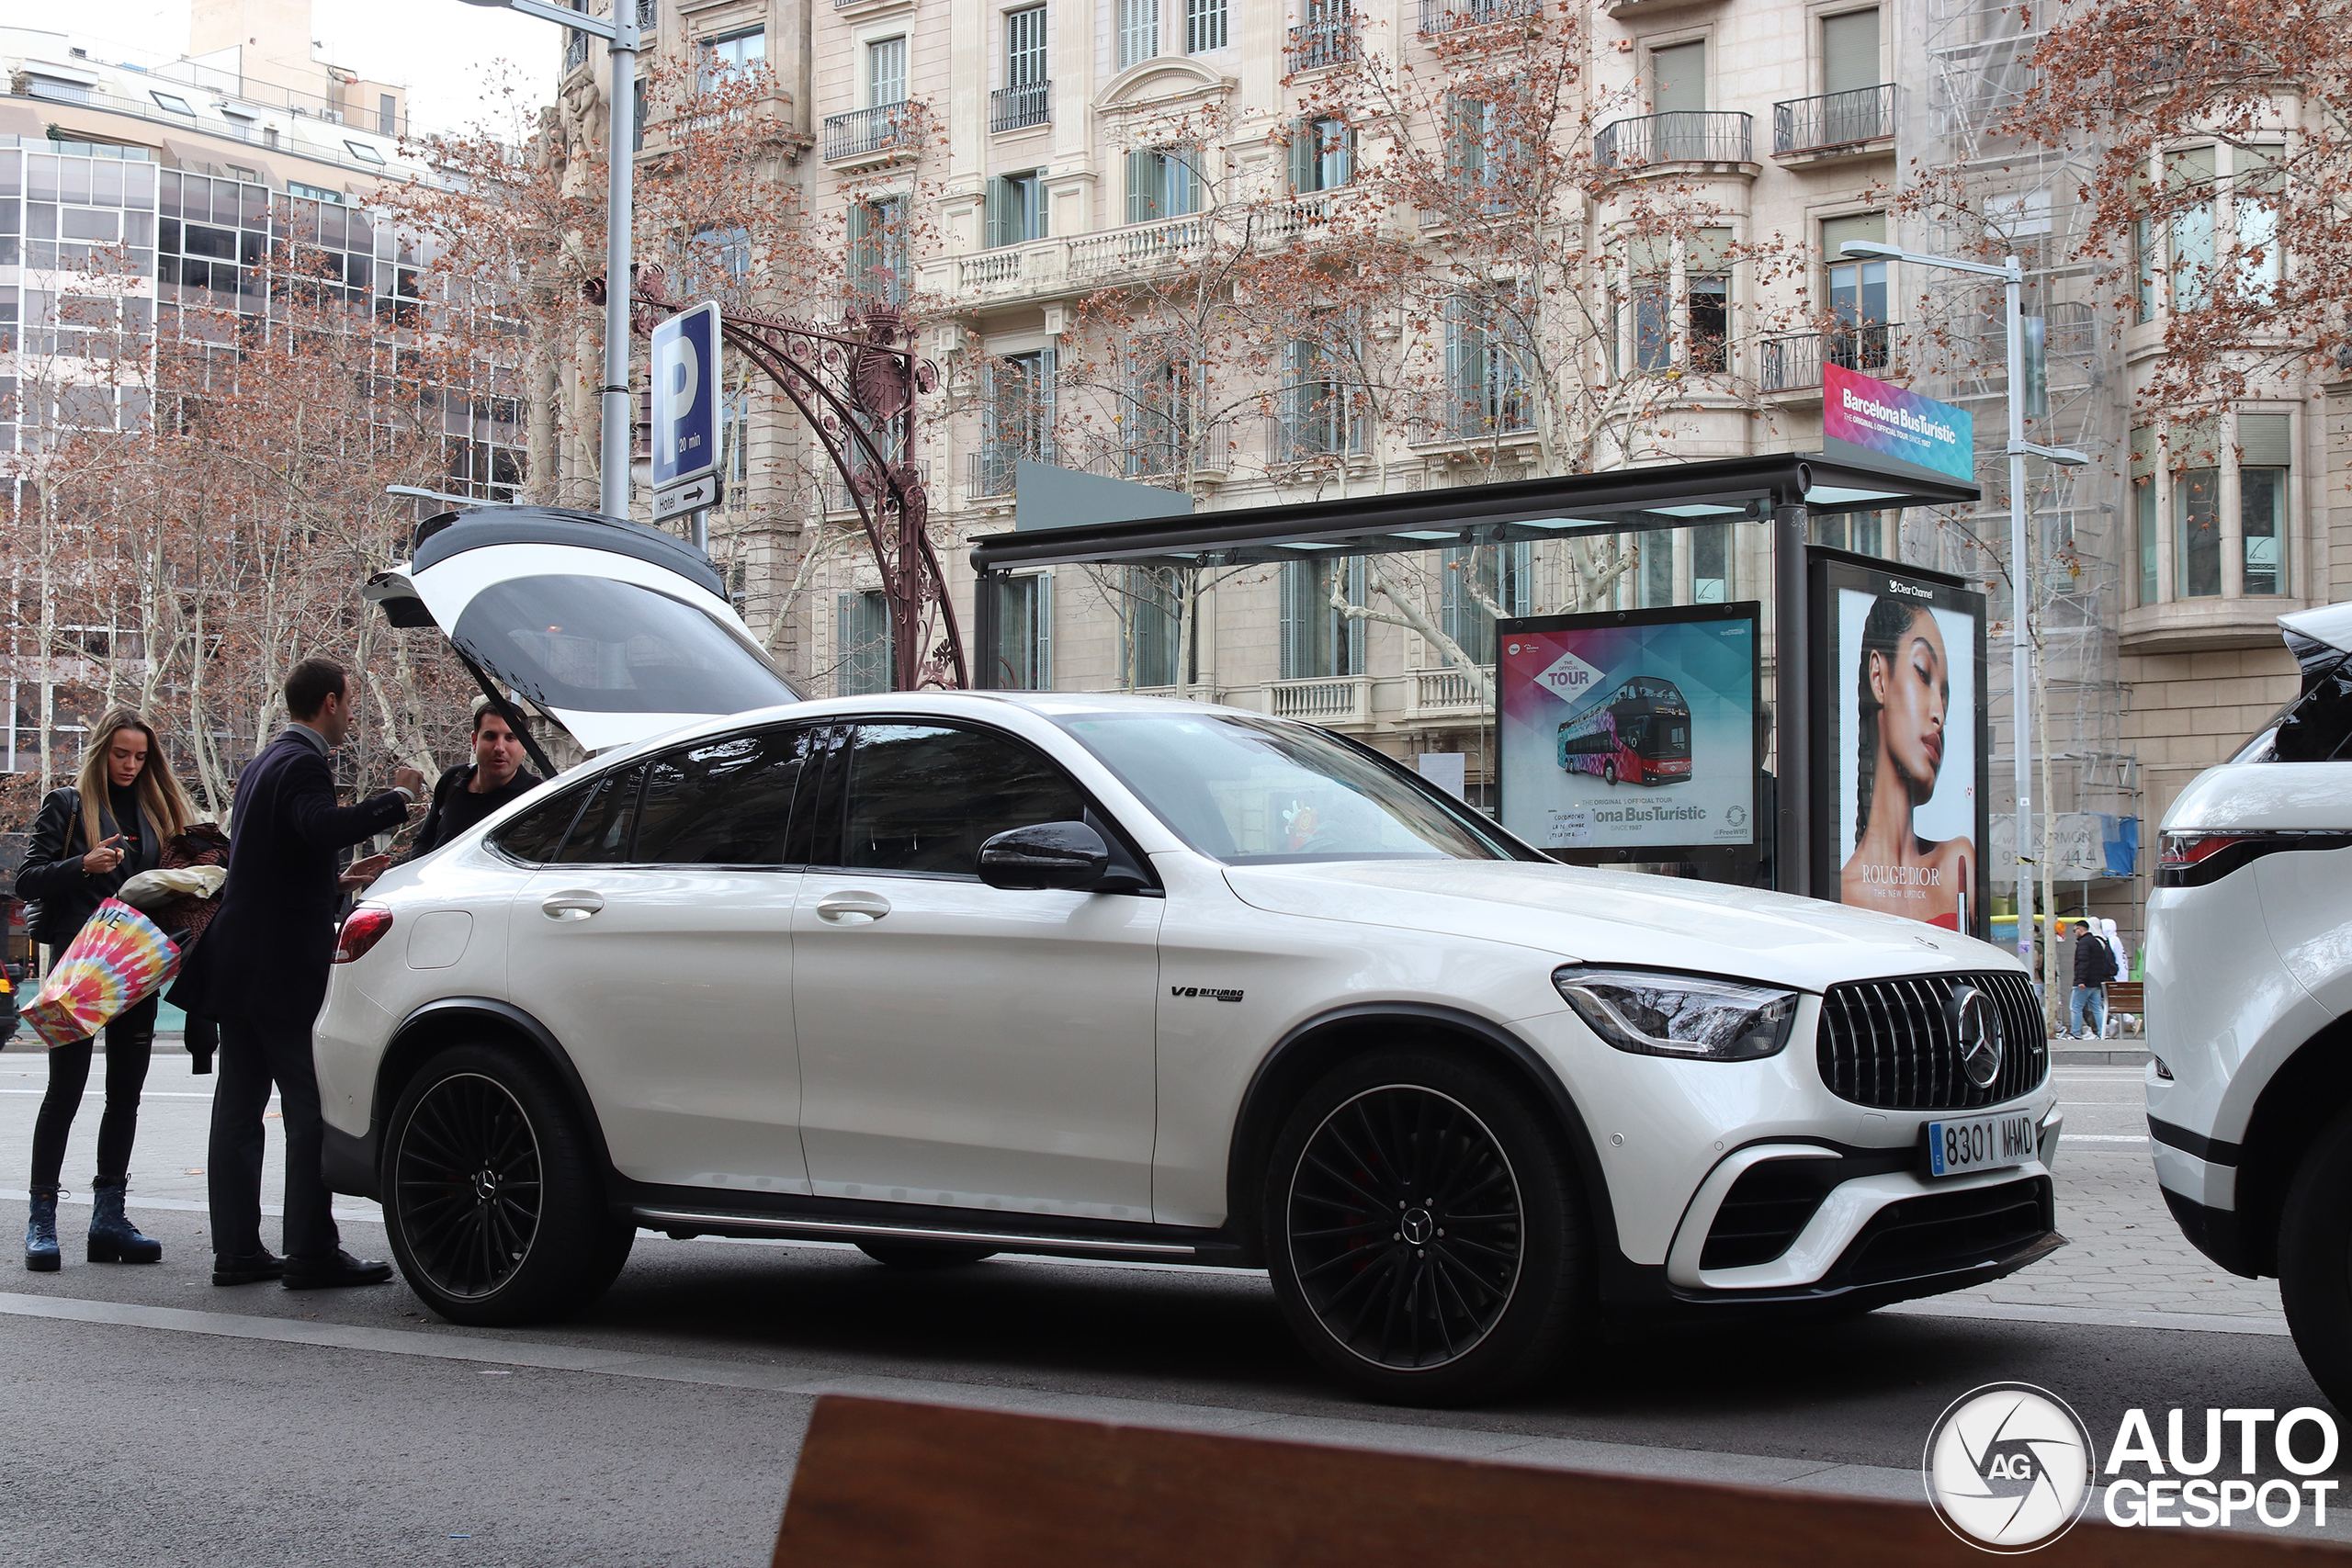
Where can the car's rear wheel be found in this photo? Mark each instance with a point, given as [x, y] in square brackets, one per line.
[1423, 1231]
[923, 1254]
[2315, 1260]
[494, 1204]
[1609, 773]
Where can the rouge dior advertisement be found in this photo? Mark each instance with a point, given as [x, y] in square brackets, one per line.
[1899, 768]
[1630, 735]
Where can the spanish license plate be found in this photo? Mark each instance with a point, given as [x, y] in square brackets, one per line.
[1981, 1143]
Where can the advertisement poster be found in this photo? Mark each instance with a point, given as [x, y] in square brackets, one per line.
[1859, 410]
[1900, 736]
[1630, 735]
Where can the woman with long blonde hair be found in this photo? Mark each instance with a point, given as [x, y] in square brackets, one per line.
[90, 838]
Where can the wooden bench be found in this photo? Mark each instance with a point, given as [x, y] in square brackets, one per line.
[882, 1484]
[2126, 996]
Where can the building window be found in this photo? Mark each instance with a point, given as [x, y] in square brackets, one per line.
[1016, 208]
[735, 440]
[717, 257]
[367, 154]
[2145, 531]
[1316, 414]
[1024, 635]
[1656, 584]
[174, 103]
[2196, 457]
[1138, 32]
[2253, 219]
[885, 73]
[1162, 406]
[1204, 26]
[1322, 154]
[862, 644]
[2264, 460]
[1485, 154]
[1850, 59]
[1863, 339]
[2192, 229]
[1707, 280]
[732, 55]
[1163, 181]
[1024, 47]
[878, 248]
[1486, 379]
[1679, 78]
[1477, 581]
[1320, 640]
[1151, 613]
[1016, 416]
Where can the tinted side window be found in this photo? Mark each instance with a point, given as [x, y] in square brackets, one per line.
[602, 834]
[723, 801]
[924, 798]
[534, 835]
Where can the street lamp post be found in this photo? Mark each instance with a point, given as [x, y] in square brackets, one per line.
[2012, 273]
[621, 38]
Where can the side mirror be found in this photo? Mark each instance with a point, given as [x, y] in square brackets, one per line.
[1049, 854]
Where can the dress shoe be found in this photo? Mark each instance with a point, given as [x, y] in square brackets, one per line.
[113, 1238]
[251, 1269]
[305, 1274]
[41, 1232]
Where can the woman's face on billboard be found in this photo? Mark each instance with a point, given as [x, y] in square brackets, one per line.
[1913, 691]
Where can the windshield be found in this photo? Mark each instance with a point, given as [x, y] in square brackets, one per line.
[597, 644]
[2315, 726]
[1251, 791]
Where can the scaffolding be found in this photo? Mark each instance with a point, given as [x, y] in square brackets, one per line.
[1964, 65]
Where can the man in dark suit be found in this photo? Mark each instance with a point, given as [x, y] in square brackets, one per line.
[260, 971]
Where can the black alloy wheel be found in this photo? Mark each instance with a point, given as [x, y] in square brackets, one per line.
[1608, 773]
[494, 1198]
[1424, 1230]
[467, 1176]
[1406, 1231]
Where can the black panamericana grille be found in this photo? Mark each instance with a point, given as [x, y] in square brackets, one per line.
[1890, 1043]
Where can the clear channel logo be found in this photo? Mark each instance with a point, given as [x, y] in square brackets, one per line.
[2009, 1467]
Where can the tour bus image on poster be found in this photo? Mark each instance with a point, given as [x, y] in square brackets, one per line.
[1901, 742]
[1630, 735]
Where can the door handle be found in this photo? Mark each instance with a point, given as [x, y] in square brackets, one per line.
[572, 903]
[838, 907]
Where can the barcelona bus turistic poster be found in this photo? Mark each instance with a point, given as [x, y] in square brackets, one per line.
[1630, 735]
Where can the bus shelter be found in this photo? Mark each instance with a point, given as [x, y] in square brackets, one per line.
[1063, 518]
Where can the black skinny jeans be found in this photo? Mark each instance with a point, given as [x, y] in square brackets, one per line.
[130, 1040]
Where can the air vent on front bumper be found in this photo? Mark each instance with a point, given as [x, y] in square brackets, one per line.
[1890, 1043]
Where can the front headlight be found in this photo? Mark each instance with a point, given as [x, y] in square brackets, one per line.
[1656, 1014]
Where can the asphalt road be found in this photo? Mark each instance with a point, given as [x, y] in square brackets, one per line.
[153, 1418]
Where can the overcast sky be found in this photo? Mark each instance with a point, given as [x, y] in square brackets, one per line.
[441, 50]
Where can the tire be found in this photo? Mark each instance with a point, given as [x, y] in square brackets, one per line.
[1353, 1249]
[923, 1254]
[1608, 773]
[493, 1203]
[2315, 1260]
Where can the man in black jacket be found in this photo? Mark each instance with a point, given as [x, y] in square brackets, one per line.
[2094, 967]
[469, 793]
[260, 971]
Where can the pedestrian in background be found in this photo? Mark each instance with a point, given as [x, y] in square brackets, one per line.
[469, 792]
[2094, 967]
[90, 838]
[261, 972]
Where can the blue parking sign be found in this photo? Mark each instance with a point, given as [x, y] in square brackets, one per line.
[684, 364]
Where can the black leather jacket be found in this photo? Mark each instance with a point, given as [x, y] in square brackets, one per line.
[53, 876]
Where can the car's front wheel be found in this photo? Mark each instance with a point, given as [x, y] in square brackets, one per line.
[2315, 1260]
[1423, 1230]
[492, 1201]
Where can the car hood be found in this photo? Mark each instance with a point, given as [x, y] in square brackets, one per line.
[1611, 916]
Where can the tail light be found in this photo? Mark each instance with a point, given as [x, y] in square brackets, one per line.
[2195, 859]
[362, 929]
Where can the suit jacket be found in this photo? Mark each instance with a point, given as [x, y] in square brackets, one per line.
[265, 958]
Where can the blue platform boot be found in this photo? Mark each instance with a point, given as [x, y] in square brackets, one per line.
[41, 1232]
[113, 1238]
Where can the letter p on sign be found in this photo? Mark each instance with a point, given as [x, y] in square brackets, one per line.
[686, 411]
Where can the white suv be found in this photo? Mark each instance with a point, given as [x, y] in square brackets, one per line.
[948, 974]
[2249, 1004]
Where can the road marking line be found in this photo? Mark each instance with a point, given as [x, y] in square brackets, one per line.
[459, 1345]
